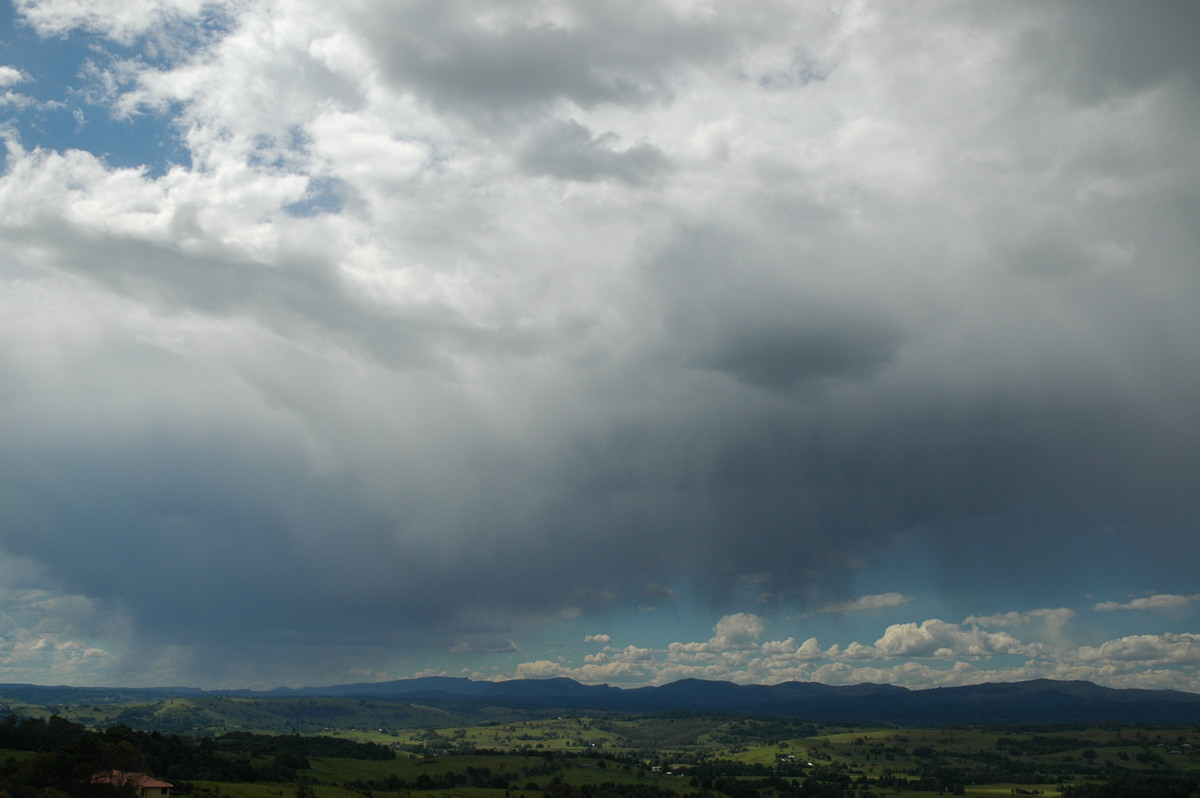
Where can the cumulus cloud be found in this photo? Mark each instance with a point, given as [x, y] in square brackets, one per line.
[929, 654]
[47, 634]
[121, 20]
[10, 76]
[872, 602]
[1055, 622]
[1054, 617]
[32, 656]
[597, 639]
[935, 638]
[1160, 601]
[732, 633]
[1153, 650]
[741, 630]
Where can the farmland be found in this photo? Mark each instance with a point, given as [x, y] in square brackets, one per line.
[514, 753]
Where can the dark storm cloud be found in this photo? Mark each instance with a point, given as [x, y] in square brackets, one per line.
[764, 314]
[180, 510]
[1098, 50]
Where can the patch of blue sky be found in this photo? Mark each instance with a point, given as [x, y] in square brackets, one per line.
[324, 195]
[68, 81]
[280, 153]
[679, 616]
[147, 141]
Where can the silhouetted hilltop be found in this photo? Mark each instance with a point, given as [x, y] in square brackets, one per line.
[1037, 701]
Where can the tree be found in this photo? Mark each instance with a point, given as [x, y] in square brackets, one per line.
[304, 788]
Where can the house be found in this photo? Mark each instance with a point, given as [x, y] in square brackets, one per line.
[143, 786]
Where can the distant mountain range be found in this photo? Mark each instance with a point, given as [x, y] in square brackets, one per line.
[1038, 701]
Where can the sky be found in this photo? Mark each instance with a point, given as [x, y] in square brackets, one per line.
[628, 342]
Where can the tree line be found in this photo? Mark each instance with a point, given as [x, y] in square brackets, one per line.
[64, 756]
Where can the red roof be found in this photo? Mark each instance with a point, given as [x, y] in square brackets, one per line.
[122, 777]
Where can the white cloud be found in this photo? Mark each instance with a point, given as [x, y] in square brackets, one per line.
[872, 602]
[785, 648]
[1148, 650]
[1161, 601]
[597, 639]
[739, 631]
[1051, 617]
[1053, 625]
[32, 656]
[116, 18]
[10, 76]
[364, 152]
[732, 635]
[919, 656]
[48, 636]
[935, 638]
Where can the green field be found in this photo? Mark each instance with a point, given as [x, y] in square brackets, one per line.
[681, 756]
[318, 748]
[857, 762]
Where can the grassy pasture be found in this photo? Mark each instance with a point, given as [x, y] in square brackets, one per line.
[554, 734]
[333, 777]
[542, 749]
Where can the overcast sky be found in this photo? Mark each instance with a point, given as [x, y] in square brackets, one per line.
[626, 341]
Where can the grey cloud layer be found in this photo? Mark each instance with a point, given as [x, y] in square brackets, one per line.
[609, 305]
[515, 57]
